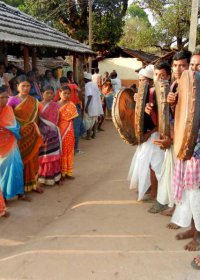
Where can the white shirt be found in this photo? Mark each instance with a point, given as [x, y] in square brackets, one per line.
[95, 107]
[116, 83]
[97, 79]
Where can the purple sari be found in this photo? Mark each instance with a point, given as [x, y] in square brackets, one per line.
[49, 154]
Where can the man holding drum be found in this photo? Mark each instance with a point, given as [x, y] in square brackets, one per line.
[162, 75]
[146, 164]
[180, 63]
[186, 181]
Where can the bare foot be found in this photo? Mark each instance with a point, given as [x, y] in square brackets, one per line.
[172, 226]
[185, 235]
[168, 212]
[69, 177]
[39, 190]
[193, 245]
[63, 178]
[60, 183]
[6, 214]
[24, 198]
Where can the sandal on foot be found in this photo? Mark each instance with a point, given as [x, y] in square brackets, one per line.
[194, 264]
[157, 208]
[148, 199]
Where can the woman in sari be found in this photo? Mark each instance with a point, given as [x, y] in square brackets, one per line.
[49, 154]
[11, 166]
[75, 97]
[107, 91]
[67, 113]
[26, 110]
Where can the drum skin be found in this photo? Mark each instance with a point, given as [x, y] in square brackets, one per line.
[144, 126]
[187, 115]
[162, 89]
[139, 111]
[123, 115]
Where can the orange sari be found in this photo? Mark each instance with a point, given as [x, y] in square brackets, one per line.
[27, 113]
[8, 139]
[66, 114]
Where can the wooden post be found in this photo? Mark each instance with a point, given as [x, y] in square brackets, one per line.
[26, 59]
[90, 33]
[6, 54]
[193, 25]
[74, 67]
[80, 72]
[34, 58]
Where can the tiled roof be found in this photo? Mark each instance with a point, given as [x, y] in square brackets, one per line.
[20, 28]
[143, 56]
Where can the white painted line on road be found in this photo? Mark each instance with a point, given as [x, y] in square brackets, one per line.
[119, 180]
[90, 252]
[107, 202]
[100, 236]
[7, 242]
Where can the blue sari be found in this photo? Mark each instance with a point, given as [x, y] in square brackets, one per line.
[11, 165]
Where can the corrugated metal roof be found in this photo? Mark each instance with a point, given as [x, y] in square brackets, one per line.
[18, 27]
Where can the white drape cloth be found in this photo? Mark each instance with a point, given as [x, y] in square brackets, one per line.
[165, 193]
[146, 155]
[188, 208]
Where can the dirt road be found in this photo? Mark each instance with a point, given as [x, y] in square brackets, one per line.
[92, 228]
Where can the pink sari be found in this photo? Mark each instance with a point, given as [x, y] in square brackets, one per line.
[49, 154]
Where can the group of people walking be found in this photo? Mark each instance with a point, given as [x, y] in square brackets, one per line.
[171, 183]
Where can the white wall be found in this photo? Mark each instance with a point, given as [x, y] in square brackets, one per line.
[125, 67]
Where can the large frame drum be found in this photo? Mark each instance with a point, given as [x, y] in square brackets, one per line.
[187, 115]
[123, 115]
[162, 89]
[144, 125]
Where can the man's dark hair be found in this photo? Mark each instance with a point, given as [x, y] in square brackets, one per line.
[113, 74]
[96, 70]
[163, 65]
[182, 55]
[47, 72]
[63, 80]
[133, 86]
[69, 73]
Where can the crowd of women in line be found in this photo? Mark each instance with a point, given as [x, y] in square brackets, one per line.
[40, 128]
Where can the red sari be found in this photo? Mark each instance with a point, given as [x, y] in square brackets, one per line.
[66, 115]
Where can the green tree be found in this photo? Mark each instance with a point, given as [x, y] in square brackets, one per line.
[134, 11]
[14, 3]
[172, 19]
[138, 32]
[71, 16]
